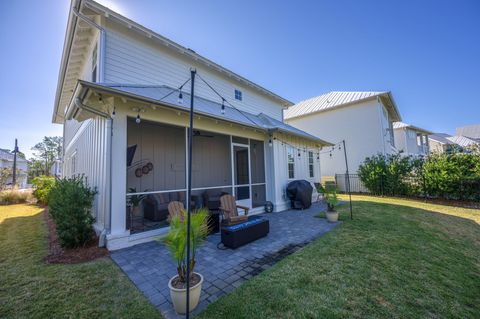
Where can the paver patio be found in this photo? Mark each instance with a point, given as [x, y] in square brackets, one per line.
[150, 266]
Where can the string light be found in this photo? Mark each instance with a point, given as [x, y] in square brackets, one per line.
[113, 113]
[270, 142]
[138, 120]
[223, 107]
[180, 97]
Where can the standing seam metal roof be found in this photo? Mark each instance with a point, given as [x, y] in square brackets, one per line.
[206, 107]
[328, 101]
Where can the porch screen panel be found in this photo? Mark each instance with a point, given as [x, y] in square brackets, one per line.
[259, 195]
[211, 160]
[164, 147]
[257, 161]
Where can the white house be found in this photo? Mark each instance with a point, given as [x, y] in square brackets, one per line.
[6, 161]
[411, 140]
[444, 143]
[123, 98]
[363, 119]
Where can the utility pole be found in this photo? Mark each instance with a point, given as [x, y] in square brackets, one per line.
[15, 151]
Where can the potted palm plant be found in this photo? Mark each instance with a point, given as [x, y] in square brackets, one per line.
[134, 202]
[332, 201]
[176, 242]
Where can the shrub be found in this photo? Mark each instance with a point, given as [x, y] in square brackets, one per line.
[387, 174]
[9, 197]
[453, 176]
[70, 203]
[43, 185]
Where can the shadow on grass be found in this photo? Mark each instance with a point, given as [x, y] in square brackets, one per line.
[391, 260]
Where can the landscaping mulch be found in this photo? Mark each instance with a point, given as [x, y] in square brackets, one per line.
[59, 255]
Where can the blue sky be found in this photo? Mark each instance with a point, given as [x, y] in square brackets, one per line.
[426, 52]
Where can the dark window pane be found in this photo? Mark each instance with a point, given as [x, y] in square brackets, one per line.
[257, 161]
[242, 192]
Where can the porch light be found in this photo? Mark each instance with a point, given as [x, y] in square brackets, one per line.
[223, 106]
[138, 120]
[180, 98]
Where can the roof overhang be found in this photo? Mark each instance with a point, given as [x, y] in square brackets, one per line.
[414, 128]
[389, 102]
[80, 111]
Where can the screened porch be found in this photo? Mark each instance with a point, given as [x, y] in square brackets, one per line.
[156, 172]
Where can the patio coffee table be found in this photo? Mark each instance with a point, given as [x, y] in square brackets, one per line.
[237, 235]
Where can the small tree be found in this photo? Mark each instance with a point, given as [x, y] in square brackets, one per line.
[176, 239]
[70, 203]
[43, 185]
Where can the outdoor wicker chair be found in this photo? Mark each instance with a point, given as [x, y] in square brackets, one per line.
[175, 208]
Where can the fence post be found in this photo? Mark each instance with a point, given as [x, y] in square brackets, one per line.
[424, 187]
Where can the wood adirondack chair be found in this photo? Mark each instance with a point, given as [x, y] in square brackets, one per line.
[229, 209]
[175, 209]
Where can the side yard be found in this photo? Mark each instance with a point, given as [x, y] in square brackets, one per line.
[398, 258]
[29, 288]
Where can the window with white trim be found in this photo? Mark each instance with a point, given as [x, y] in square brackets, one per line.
[291, 162]
[311, 169]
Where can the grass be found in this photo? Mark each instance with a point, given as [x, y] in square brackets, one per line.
[29, 288]
[398, 258]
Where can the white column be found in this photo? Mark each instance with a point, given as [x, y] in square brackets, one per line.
[119, 177]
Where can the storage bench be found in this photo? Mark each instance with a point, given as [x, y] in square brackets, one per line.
[238, 235]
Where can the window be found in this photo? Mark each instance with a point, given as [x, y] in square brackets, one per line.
[94, 64]
[291, 162]
[238, 95]
[419, 139]
[311, 169]
[411, 134]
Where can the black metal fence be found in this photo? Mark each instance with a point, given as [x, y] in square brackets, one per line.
[410, 186]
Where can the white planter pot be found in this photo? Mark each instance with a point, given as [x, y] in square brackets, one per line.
[179, 296]
[332, 217]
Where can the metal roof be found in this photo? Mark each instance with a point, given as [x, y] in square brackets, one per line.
[462, 140]
[471, 131]
[7, 156]
[400, 125]
[336, 99]
[440, 138]
[158, 95]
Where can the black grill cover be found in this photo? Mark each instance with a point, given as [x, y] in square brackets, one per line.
[300, 194]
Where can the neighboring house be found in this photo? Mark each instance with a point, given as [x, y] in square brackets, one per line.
[411, 140]
[363, 119]
[125, 115]
[470, 131]
[56, 169]
[6, 161]
[439, 143]
[463, 141]
[445, 143]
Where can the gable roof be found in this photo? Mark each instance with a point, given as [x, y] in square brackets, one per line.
[336, 99]
[440, 138]
[63, 96]
[401, 125]
[462, 140]
[161, 95]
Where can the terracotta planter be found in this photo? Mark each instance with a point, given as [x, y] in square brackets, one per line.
[179, 296]
[136, 211]
[332, 217]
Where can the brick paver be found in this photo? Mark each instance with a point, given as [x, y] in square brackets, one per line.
[150, 267]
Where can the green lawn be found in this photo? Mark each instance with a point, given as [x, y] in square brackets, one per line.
[31, 289]
[397, 259]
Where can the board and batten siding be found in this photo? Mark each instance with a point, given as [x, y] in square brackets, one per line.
[133, 60]
[87, 155]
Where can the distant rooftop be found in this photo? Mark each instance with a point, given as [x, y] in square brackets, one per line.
[471, 131]
[337, 99]
[400, 125]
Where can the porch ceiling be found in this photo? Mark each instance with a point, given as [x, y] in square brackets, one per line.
[168, 97]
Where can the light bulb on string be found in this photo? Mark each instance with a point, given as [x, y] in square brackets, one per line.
[180, 97]
[138, 120]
